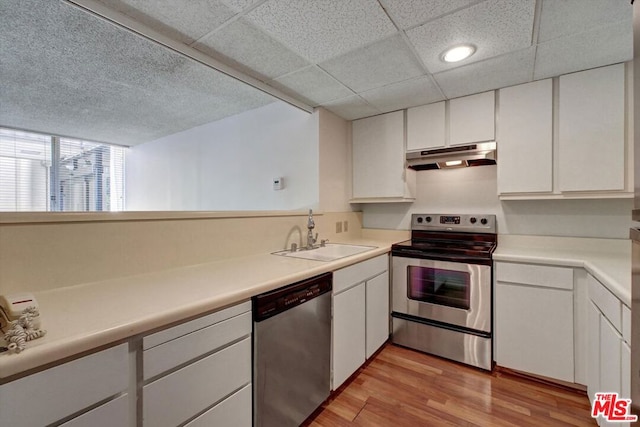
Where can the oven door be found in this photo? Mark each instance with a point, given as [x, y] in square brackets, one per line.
[442, 291]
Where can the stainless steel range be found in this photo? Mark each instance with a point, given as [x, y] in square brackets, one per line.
[442, 287]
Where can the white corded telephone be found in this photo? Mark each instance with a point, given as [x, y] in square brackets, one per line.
[12, 306]
[23, 313]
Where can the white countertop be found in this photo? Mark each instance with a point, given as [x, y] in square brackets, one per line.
[85, 317]
[608, 260]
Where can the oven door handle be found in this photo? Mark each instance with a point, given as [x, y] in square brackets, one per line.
[410, 318]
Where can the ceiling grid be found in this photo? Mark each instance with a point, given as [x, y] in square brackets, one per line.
[356, 58]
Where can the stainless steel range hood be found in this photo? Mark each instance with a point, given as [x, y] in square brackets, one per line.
[479, 154]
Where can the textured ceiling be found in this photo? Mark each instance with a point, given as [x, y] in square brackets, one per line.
[64, 71]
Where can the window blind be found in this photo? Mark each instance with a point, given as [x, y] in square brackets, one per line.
[81, 175]
[25, 161]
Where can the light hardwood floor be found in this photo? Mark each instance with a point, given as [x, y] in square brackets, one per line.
[403, 387]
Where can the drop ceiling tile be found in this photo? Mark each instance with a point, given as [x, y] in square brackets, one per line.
[409, 93]
[493, 73]
[563, 18]
[102, 83]
[255, 51]
[495, 27]
[181, 20]
[319, 30]
[603, 46]
[240, 5]
[351, 108]
[313, 84]
[379, 64]
[408, 13]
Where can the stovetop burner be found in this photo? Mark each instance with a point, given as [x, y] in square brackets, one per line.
[457, 238]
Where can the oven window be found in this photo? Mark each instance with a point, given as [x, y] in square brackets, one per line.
[439, 286]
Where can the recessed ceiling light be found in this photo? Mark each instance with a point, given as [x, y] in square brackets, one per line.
[458, 53]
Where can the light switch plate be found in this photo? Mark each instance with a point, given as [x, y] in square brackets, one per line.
[278, 183]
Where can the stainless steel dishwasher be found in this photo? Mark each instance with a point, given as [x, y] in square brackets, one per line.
[291, 352]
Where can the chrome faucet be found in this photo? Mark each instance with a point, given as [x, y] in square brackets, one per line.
[310, 226]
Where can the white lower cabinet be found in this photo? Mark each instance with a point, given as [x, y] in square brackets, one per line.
[199, 371]
[360, 315]
[60, 392]
[534, 320]
[610, 346]
[609, 354]
[377, 318]
[593, 351]
[625, 370]
[349, 336]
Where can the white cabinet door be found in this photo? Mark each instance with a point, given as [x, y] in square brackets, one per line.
[426, 127]
[348, 333]
[379, 156]
[625, 371]
[591, 130]
[472, 119]
[610, 354]
[377, 312]
[610, 358]
[593, 351]
[525, 138]
[534, 330]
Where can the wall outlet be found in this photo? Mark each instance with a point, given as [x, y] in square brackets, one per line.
[339, 227]
[345, 226]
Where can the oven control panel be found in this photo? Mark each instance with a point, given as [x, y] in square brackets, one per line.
[474, 223]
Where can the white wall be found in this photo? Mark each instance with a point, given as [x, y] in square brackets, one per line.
[229, 164]
[474, 190]
[335, 162]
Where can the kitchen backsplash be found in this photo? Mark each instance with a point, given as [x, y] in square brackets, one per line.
[48, 255]
[474, 190]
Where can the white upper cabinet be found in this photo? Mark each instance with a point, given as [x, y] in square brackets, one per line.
[472, 119]
[426, 127]
[379, 172]
[525, 138]
[592, 130]
[566, 138]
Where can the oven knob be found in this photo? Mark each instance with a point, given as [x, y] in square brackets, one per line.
[483, 221]
[419, 220]
[472, 220]
[428, 219]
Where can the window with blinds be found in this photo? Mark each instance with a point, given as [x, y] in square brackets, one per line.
[48, 173]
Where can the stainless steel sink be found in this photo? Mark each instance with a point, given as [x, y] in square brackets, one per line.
[329, 252]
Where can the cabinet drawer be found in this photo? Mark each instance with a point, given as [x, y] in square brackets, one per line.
[112, 413]
[535, 275]
[177, 397]
[62, 390]
[193, 325]
[234, 411]
[357, 273]
[609, 305]
[163, 357]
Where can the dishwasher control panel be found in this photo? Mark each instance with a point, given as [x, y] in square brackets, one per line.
[271, 303]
